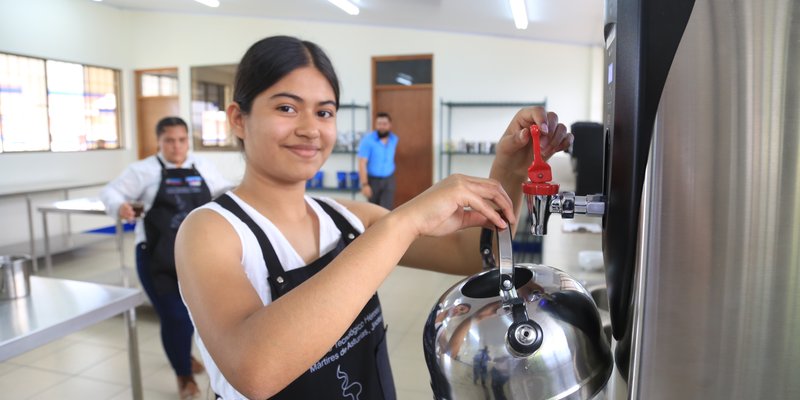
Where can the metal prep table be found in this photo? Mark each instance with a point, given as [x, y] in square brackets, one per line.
[86, 206]
[28, 190]
[58, 307]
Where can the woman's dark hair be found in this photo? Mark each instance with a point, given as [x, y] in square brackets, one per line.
[166, 122]
[270, 59]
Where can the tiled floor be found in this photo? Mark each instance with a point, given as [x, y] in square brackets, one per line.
[93, 363]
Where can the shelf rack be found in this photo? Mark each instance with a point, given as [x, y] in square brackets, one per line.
[445, 131]
[353, 107]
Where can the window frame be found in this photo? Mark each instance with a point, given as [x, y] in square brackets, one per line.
[227, 95]
[118, 92]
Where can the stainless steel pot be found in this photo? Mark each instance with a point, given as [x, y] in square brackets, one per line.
[15, 272]
[538, 338]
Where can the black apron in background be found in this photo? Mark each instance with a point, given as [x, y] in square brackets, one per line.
[357, 367]
[181, 190]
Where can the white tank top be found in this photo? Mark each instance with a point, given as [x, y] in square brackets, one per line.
[253, 263]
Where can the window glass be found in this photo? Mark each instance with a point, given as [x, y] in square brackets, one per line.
[65, 97]
[404, 72]
[158, 84]
[212, 91]
[101, 108]
[23, 104]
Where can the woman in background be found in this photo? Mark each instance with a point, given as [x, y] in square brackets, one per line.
[167, 186]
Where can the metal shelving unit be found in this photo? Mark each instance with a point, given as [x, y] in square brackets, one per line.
[353, 107]
[445, 130]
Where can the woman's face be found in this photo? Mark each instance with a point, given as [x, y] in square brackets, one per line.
[173, 143]
[291, 128]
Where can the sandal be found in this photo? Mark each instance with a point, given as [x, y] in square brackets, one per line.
[197, 367]
[187, 388]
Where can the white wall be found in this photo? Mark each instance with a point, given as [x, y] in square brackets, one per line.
[466, 68]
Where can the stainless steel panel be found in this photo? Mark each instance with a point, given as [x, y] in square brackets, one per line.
[720, 312]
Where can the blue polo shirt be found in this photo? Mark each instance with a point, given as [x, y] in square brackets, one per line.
[380, 157]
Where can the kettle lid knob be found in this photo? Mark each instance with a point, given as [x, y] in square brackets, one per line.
[524, 337]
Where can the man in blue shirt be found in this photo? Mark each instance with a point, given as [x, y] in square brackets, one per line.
[376, 162]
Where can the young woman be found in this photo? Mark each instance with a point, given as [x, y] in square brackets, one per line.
[282, 287]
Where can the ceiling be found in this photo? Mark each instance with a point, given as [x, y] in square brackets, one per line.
[562, 21]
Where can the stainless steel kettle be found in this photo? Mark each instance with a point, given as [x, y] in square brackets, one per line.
[521, 331]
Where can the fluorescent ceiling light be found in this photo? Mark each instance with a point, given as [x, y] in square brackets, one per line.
[345, 5]
[520, 13]
[404, 79]
[210, 3]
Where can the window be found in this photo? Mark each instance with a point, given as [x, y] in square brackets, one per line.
[23, 104]
[159, 84]
[212, 91]
[57, 106]
[401, 71]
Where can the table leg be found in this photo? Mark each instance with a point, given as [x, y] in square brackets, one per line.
[34, 259]
[120, 248]
[48, 260]
[69, 222]
[133, 354]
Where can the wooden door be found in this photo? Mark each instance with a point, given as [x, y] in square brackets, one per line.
[411, 109]
[152, 106]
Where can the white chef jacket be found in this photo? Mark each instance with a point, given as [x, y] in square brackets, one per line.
[140, 181]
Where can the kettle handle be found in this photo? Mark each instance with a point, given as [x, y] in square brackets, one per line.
[505, 261]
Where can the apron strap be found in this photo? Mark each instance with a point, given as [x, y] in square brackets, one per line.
[270, 258]
[349, 233]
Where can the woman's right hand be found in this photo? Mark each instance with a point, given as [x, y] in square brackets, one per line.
[126, 212]
[458, 202]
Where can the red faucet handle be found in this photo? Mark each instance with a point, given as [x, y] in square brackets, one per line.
[539, 172]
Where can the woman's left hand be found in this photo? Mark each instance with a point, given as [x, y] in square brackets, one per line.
[514, 153]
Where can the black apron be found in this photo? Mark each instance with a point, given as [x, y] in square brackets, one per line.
[357, 367]
[181, 190]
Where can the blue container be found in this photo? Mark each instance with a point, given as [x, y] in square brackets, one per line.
[341, 179]
[318, 179]
[354, 180]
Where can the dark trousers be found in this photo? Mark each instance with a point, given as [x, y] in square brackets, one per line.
[382, 191]
[176, 326]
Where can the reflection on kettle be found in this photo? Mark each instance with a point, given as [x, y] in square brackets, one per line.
[538, 338]
[480, 365]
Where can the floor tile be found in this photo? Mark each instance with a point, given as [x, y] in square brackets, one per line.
[79, 388]
[75, 358]
[116, 369]
[7, 367]
[38, 353]
[25, 382]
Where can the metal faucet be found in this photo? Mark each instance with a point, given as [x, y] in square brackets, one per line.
[543, 198]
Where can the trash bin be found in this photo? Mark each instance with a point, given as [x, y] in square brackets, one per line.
[15, 276]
